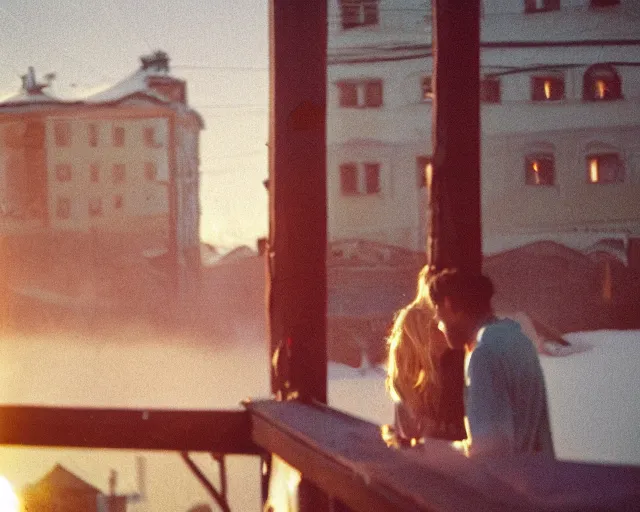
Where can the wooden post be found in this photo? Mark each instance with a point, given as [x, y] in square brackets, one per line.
[296, 287]
[455, 238]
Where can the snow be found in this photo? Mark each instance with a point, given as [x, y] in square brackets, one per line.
[594, 409]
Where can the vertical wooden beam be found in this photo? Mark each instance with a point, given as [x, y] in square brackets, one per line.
[296, 254]
[455, 238]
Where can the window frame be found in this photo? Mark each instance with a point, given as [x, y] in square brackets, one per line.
[149, 134]
[62, 133]
[372, 185]
[93, 136]
[620, 172]
[591, 76]
[542, 79]
[150, 171]
[94, 172]
[118, 173]
[360, 94]
[94, 208]
[529, 170]
[496, 84]
[118, 136]
[349, 179]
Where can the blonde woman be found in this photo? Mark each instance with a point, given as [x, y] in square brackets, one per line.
[423, 374]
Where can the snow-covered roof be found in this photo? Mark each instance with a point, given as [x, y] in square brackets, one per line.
[134, 83]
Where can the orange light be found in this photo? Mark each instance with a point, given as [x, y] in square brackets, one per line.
[536, 170]
[547, 89]
[593, 170]
[601, 89]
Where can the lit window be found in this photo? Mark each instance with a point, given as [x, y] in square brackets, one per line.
[364, 94]
[359, 13]
[605, 168]
[539, 169]
[150, 171]
[604, 3]
[427, 88]
[118, 136]
[360, 179]
[547, 88]
[63, 172]
[424, 168]
[94, 173]
[62, 133]
[541, 5]
[601, 83]
[95, 207]
[63, 208]
[150, 138]
[349, 179]
[490, 90]
[118, 173]
[92, 133]
[372, 178]
[117, 202]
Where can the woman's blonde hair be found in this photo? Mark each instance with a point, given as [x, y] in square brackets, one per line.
[413, 344]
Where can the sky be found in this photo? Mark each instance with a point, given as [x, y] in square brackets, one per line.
[218, 46]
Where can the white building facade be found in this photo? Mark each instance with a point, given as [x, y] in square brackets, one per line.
[123, 161]
[560, 115]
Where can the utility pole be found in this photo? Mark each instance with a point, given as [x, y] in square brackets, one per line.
[296, 253]
[455, 238]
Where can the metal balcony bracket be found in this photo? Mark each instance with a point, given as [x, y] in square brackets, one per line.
[220, 497]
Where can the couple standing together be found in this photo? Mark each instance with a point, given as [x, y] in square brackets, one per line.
[503, 397]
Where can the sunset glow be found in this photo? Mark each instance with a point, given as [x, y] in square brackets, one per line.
[8, 499]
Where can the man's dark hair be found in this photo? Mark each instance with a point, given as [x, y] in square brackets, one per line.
[467, 291]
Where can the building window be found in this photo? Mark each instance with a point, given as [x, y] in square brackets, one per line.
[360, 179]
[117, 202]
[539, 169]
[541, 5]
[490, 90]
[372, 178]
[118, 173]
[94, 173]
[63, 208]
[92, 132]
[349, 179]
[601, 83]
[605, 168]
[118, 136]
[427, 88]
[150, 171]
[63, 172]
[358, 13]
[547, 88]
[150, 138]
[424, 168]
[604, 3]
[95, 207]
[62, 133]
[365, 94]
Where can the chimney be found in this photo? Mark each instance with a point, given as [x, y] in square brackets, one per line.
[157, 61]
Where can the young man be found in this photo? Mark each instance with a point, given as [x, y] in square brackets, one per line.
[505, 396]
